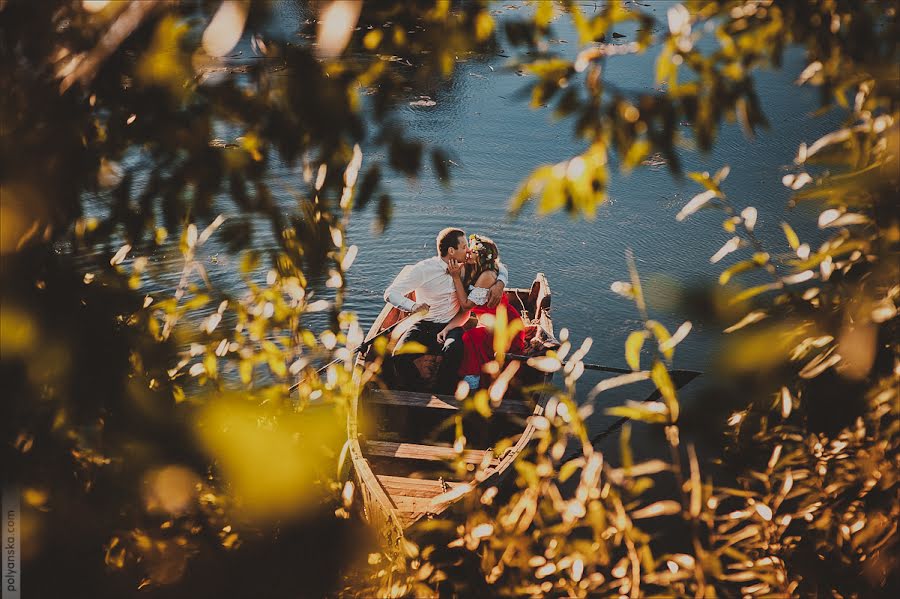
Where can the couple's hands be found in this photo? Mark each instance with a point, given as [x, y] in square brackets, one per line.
[495, 294]
[455, 268]
[423, 308]
[442, 336]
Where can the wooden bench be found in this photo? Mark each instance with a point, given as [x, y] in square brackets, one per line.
[413, 399]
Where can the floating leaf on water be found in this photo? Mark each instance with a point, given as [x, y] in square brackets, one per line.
[697, 202]
[730, 246]
[795, 182]
[749, 215]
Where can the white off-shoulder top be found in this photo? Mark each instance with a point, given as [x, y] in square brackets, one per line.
[479, 295]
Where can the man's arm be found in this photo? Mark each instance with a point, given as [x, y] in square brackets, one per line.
[496, 290]
[406, 281]
[502, 274]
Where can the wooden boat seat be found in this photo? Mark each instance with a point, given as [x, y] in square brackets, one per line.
[438, 402]
[413, 497]
[414, 451]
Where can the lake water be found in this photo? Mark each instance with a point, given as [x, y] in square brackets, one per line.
[497, 140]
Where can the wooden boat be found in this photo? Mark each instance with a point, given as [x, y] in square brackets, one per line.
[403, 463]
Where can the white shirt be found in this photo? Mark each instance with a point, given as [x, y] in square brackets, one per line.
[433, 286]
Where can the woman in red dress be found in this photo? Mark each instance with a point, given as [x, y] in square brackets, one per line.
[472, 285]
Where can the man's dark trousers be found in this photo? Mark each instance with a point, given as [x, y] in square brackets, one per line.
[425, 332]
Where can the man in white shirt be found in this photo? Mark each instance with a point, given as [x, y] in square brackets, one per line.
[436, 296]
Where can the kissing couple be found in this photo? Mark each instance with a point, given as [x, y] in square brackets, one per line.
[465, 278]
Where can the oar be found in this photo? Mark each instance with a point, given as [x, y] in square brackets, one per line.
[361, 347]
[679, 377]
[691, 373]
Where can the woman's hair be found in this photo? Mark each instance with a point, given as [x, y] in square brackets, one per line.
[487, 257]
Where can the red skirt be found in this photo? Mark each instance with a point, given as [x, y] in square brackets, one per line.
[478, 342]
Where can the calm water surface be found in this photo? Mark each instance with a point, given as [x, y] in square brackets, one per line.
[496, 140]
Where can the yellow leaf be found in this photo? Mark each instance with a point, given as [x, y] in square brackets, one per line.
[753, 292]
[277, 366]
[543, 14]
[481, 401]
[245, 369]
[633, 346]
[209, 361]
[501, 334]
[666, 507]
[792, 238]
[663, 382]
[636, 153]
[372, 39]
[662, 336]
[410, 347]
[484, 26]
[736, 269]
[545, 363]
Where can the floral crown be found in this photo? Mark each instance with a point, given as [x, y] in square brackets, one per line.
[476, 245]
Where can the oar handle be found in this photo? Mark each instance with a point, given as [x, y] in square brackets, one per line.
[612, 369]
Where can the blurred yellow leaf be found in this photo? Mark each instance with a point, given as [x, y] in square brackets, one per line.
[792, 238]
[484, 25]
[633, 346]
[410, 347]
[272, 460]
[660, 508]
[663, 381]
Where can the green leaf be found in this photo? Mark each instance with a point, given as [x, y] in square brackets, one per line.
[633, 346]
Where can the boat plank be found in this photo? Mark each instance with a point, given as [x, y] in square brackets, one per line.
[414, 451]
[440, 402]
[414, 487]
